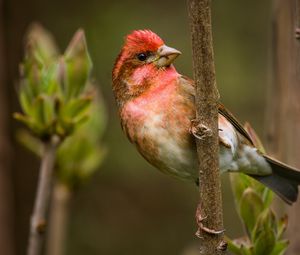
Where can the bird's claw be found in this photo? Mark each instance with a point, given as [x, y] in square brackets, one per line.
[199, 130]
[202, 228]
[208, 231]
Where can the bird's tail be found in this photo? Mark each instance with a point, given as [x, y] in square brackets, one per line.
[284, 180]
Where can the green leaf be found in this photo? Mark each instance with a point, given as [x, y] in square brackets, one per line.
[233, 247]
[25, 100]
[38, 110]
[78, 64]
[81, 120]
[50, 80]
[265, 220]
[281, 226]
[48, 111]
[65, 127]
[280, 247]
[267, 196]
[251, 205]
[31, 77]
[75, 108]
[240, 246]
[23, 118]
[246, 250]
[239, 182]
[30, 142]
[41, 43]
[265, 242]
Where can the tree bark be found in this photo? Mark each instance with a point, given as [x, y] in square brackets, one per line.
[283, 111]
[209, 213]
[6, 188]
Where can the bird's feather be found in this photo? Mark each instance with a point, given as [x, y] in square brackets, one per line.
[229, 116]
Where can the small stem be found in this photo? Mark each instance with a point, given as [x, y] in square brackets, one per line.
[43, 198]
[59, 214]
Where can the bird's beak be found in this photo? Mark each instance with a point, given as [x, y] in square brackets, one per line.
[166, 55]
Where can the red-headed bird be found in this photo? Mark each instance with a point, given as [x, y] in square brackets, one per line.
[156, 106]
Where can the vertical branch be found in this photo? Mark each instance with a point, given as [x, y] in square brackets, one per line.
[43, 198]
[209, 213]
[283, 118]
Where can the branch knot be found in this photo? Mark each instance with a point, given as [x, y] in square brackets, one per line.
[39, 226]
[199, 130]
[222, 246]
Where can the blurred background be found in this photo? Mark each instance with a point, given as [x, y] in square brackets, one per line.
[128, 207]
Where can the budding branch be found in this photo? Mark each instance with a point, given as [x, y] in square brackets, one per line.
[43, 197]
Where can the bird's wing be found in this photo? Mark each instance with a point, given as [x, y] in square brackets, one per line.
[189, 86]
[229, 116]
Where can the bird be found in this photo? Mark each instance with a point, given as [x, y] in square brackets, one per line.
[156, 106]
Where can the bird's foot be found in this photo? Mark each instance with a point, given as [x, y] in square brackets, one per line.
[201, 228]
[199, 130]
[207, 230]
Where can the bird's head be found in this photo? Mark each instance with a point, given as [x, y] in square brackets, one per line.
[143, 55]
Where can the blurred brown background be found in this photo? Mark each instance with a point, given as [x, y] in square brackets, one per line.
[129, 207]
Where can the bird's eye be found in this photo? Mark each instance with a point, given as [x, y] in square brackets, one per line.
[142, 56]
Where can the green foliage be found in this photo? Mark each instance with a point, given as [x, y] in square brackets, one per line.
[54, 94]
[57, 98]
[253, 200]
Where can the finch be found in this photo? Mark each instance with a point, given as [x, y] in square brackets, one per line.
[156, 106]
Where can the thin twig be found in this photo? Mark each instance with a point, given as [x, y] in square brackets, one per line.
[59, 214]
[43, 197]
[209, 212]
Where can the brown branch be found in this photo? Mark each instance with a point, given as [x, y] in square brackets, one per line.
[43, 198]
[209, 213]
